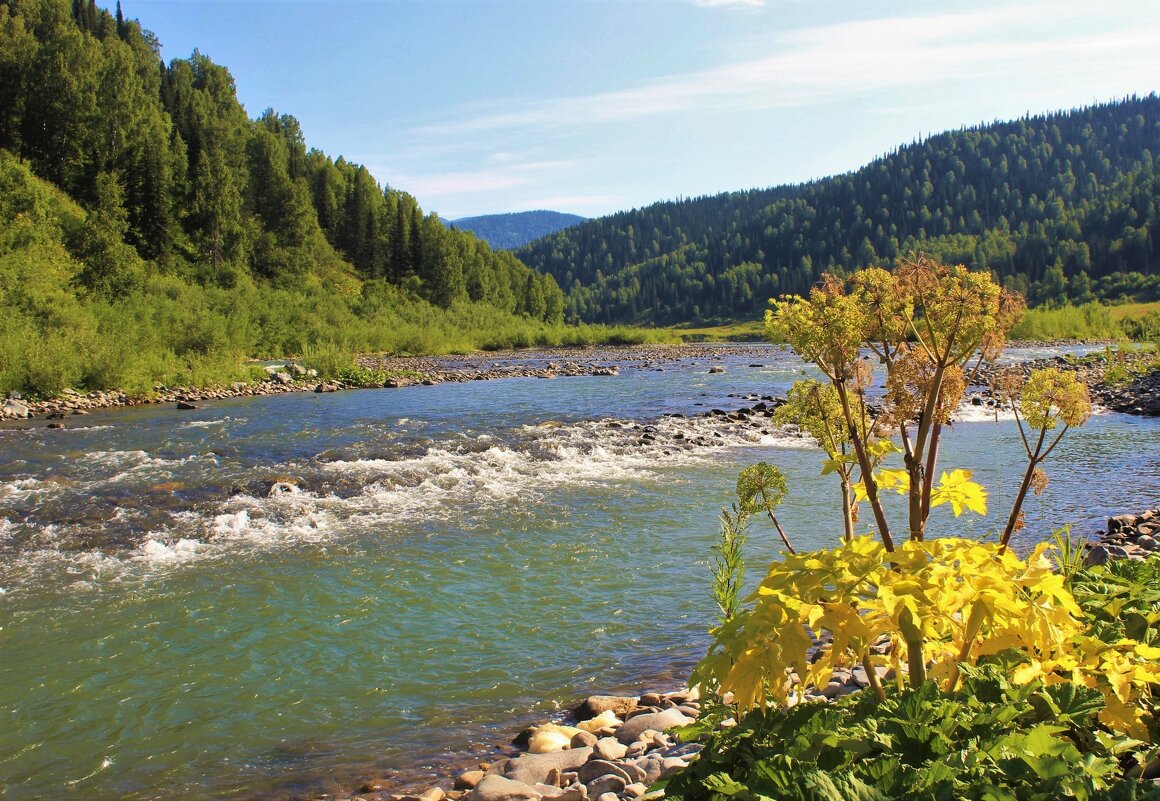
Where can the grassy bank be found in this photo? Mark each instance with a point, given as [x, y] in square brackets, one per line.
[743, 331]
[1091, 321]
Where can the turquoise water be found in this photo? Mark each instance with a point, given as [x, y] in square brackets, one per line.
[443, 564]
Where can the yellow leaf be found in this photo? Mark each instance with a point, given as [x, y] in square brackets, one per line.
[1026, 673]
[957, 489]
[1147, 651]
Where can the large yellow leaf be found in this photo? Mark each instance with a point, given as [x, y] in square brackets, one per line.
[957, 489]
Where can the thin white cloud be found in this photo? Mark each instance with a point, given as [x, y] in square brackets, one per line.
[458, 183]
[849, 59]
[509, 173]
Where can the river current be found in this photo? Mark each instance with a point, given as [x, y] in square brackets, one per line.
[287, 595]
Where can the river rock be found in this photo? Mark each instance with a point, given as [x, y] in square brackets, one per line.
[649, 768]
[632, 728]
[609, 748]
[551, 737]
[432, 794]
[606, 784]
[575, 792]
[1096, 555]
[635, 790]
[534, 768]
[469, 779]
[593, 769]
[1120, 522]
[583, 739]
[497, 788]
[14, 408]
[604, 720]
[186, 405]
[282, 378]
[595, 705]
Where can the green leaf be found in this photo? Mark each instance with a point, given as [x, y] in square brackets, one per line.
[723, 784]
[1071, 703]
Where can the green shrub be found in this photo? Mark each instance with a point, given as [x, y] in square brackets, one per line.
[990, 739]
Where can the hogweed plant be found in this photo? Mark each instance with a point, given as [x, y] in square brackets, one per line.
[941, 603]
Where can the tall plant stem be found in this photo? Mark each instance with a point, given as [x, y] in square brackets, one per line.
[920, 479]
[867, 469]
[848, 508]
[872, 677]
[915, 654]
[1035, 458]
[780, 531]
[931, 464]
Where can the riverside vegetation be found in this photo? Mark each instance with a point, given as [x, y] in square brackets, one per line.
[150, 232]
[989, 674]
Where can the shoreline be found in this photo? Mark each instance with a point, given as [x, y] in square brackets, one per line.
[407, 371]
[1140, 395]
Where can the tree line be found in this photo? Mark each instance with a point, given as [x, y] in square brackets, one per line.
[1062, 207]
[178, 180]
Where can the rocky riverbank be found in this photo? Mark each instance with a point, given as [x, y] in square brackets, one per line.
[1136, 392]
[1123, 381]
[400, 371]
[1126, 537]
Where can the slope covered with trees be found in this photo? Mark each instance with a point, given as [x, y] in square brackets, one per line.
[1062, 206]
[128, 181]
[518, 228]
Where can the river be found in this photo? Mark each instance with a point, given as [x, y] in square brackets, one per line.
[287, 595]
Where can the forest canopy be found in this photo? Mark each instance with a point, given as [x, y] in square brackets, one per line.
[139, 193]
[1060, 207]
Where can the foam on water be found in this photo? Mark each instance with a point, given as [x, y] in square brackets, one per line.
[23, 489]
[205, 423]
[969, 413]
[477, 474]
[158, 552]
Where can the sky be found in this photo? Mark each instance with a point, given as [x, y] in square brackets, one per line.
[596, 106]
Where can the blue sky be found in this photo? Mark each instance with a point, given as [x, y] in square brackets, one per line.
[593, 106]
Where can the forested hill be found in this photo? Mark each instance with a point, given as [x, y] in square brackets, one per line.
[509, 231]
[1058, 206]
[176, 180]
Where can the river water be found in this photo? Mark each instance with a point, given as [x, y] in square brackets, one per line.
[286, 595]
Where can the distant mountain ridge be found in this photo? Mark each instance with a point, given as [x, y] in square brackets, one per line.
[513, 230]
[1062, 206]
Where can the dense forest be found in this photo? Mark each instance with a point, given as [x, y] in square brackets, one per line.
[517, 228]
[139, 195]
[1062, 207]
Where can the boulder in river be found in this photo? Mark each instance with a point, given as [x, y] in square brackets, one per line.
[14, 408]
